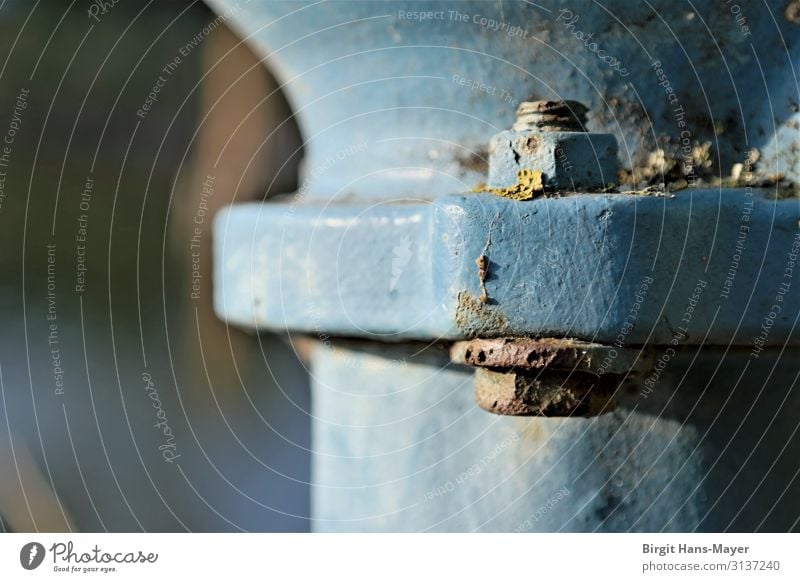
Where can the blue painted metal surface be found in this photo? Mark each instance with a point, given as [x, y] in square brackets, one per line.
[425, 95]
[400, 446]
[381, 243]
[706, 265]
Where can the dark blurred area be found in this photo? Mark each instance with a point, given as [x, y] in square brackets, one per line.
[126, 404]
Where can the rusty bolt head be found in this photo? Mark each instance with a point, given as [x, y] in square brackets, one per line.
[544, 394]
[550, 353]
[549, 377]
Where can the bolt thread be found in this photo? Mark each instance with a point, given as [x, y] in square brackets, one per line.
[551, 116]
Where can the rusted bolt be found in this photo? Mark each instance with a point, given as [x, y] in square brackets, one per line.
[551, 116]
[549, 377]
[550, 137]
[544, 393]
[552, 353]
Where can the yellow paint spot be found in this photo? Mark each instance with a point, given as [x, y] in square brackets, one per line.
[529, 186]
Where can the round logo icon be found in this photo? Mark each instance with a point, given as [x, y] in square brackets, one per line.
[31, 555]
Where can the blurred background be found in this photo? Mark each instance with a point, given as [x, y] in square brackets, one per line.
[126, 404]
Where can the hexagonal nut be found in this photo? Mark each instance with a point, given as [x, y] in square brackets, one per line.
[567, 354]
[515, 393]
[569, 161]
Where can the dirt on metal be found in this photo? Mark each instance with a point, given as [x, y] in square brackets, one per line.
[548, 353]
[474, 317]
[565, 394]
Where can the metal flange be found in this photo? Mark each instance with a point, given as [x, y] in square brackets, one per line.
[614, 268]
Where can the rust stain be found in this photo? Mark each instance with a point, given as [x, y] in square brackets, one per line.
[550, 354]
[483, 270]
[483, 261]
